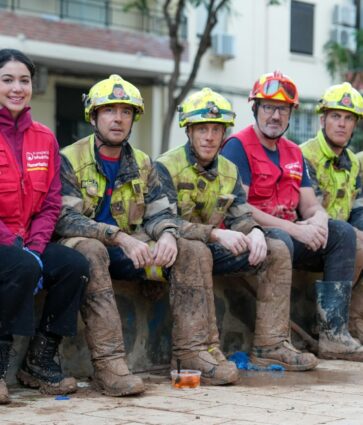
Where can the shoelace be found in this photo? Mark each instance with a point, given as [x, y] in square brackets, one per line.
[47, 353]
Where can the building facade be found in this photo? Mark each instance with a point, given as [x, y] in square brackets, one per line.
[78, 42]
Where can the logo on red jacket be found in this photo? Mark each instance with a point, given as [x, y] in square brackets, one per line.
[38, 160]
[294, 170]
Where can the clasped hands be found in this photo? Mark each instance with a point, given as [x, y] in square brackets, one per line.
[163, 254]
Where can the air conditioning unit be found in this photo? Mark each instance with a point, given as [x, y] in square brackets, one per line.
[345, 15]
[344, 36]
[223, 46]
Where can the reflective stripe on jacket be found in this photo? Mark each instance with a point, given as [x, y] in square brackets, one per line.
[200, 200]
[127, 200]
[338, 185]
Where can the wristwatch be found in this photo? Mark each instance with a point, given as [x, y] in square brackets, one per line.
[260, 228]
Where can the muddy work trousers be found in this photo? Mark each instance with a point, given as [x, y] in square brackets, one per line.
[190, 293]
[341, 260]
[273, 288]
[65, 275]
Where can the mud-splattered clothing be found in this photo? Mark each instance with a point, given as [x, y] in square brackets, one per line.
[200, 196]
[335, 178]
[272, 314]
[83, 191]
[337, 183]
[137, 181]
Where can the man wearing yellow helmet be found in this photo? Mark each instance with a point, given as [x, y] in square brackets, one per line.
[279, 191]
[114, 209]
[334, 173]
[206, 190]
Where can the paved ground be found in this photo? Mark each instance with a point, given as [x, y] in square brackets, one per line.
[330, 395]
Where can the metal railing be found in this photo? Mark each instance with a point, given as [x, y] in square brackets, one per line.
[103, 13]
[304, 123]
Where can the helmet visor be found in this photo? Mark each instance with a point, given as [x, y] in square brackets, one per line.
[272, 87]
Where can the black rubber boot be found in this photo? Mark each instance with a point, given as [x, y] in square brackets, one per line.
[39, 370]
[335, 341]
[5, 346]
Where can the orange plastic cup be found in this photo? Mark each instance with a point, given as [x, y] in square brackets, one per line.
[186, 378]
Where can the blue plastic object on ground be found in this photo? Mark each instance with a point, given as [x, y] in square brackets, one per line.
[61, 397]
[242, 361]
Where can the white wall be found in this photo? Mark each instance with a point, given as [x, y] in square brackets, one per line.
[262, 36]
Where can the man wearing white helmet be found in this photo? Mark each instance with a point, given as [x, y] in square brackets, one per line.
[334, 173]
[279, 190]
[206, 190]
[116, 213]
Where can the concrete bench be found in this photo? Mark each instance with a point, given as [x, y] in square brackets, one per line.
[147, 323]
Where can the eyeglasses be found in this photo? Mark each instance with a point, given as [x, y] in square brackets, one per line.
[286, 88]
[270, 109]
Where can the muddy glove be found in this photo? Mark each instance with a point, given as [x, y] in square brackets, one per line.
[36, 255]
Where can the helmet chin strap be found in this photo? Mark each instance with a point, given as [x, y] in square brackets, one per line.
[255, 110]
[191, 144]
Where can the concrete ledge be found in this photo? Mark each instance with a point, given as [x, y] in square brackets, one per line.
[146, 320]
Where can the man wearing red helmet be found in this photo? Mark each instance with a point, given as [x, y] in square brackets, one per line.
[279, 190]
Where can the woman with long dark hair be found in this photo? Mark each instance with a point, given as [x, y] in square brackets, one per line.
[30, 202]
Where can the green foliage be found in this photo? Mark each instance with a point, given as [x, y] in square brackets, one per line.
[142, 6]
[340, 60]
[348, 66]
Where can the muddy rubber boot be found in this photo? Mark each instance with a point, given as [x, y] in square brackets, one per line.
[335, 341]
[271, 343]
[103, 329]
[189, 307]
[39, 370]
[4, 364]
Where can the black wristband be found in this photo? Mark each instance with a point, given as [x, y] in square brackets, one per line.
[260, 228]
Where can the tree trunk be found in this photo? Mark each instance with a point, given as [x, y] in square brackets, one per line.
[177, 48]
[167, 123]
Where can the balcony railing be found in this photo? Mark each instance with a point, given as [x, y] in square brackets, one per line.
[103, 13]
